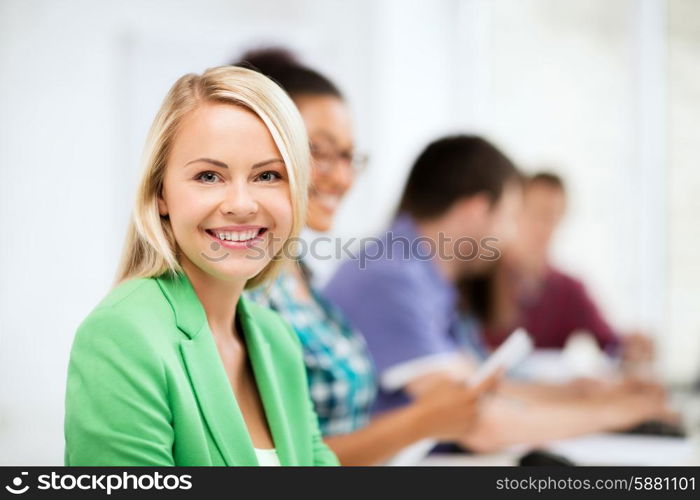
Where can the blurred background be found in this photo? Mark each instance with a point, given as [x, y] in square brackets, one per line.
[604, 92]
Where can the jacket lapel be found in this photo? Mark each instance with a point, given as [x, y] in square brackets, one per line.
[266, 378]
[207, 375]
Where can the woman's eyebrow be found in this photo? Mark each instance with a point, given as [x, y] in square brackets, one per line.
[267, 162]
[328, 137]
[223, 165]
[209, 160]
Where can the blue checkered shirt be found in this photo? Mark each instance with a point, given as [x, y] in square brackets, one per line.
[340, 373]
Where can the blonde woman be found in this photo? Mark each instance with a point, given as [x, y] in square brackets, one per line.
[173, 367]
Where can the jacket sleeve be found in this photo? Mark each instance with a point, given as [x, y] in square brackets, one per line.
[117, 411]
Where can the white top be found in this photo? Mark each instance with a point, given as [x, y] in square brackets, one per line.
[267, 458]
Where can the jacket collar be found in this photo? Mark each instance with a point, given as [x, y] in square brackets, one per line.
[190, 317]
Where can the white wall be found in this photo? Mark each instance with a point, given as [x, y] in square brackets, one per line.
[552, 82]
[682, 337]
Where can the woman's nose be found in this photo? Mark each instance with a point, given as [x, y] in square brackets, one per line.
[239, 201]
[340, 177]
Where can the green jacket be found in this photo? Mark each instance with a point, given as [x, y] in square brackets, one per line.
[146, 385]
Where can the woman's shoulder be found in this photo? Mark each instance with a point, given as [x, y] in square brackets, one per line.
[131, 314]
[136, 298]
[129, 292]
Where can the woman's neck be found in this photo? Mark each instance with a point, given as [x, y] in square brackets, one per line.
[218, 297]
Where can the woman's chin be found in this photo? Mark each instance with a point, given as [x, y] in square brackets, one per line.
[320, 222]
[234, 269]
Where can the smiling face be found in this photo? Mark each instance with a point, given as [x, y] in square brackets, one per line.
[328, 124]
[226, 193]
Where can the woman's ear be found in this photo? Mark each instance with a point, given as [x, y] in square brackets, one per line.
[162, 206]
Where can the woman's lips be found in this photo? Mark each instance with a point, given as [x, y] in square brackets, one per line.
[237, 237]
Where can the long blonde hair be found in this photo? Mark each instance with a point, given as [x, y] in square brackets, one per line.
[150, 249]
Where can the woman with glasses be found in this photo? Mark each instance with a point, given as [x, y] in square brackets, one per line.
[339, 369]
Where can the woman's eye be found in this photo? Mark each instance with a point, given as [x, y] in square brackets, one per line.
[208, 177]
[269, 176]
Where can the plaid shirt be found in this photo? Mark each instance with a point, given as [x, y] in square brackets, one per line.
[338, 365]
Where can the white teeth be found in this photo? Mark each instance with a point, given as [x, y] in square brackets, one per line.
[238, 235]
[328, 200]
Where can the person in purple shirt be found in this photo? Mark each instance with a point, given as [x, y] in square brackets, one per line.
[367, 297]
[459, 205]
[404, 301]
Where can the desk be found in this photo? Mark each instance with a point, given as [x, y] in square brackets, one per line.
[603, 449]
[596, 449]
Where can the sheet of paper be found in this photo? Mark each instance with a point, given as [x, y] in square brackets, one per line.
[509, 354]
